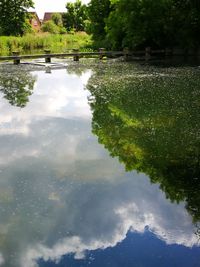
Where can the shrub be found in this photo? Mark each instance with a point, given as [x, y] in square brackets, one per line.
[50, 27]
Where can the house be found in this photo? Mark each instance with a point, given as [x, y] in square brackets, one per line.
[48, 16]
[35, 21]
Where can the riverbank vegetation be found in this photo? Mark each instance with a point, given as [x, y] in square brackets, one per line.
[36, 43]
[113, 24]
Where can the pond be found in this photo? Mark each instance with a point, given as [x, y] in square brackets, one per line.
[100, 166]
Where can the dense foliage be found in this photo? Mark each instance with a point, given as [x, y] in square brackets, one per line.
[150, 120]
[13, 14]
[54, 25]
[98, 11]
[74, 18]
[57, 19]
[140, 23]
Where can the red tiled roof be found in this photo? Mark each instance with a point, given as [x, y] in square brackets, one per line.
[48, 15]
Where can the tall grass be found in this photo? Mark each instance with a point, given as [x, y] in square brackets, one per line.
[32, 43]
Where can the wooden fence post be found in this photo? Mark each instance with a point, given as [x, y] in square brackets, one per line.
[16, 60]
[147, 53]
[126, 53]
[101, 53]
[48, 57]
[48, 69]
[76, 56]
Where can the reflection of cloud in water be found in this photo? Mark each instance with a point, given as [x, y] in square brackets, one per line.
[63, 96]
[52, 203]
[1, 259]
[102, 213]
[70, 215]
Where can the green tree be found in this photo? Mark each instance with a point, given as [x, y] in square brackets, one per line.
[140, 23]
[50, 26]
[75, 16]
[98, 12]
[57, 19]
[186, 18]
[55, 25]
[13, 15]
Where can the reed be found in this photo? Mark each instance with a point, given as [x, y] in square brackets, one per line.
[32, 43]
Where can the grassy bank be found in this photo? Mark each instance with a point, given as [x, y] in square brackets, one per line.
[32, 43]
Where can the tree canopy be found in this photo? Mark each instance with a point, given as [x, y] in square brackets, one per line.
[140, 23]
[98, 11]
[54, 25]
[57, 19]
[75, 16]
[13, 15]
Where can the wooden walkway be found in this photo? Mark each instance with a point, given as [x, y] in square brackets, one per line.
[76, 55]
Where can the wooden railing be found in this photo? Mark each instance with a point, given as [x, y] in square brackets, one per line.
[75, 54]
[146, 54]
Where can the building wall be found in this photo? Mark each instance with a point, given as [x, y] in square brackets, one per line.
[35, 22]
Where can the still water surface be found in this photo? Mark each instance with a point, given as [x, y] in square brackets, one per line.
[99, 166]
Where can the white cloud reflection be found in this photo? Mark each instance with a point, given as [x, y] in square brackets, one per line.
[63, 96]
[108, 221]
[1, 259]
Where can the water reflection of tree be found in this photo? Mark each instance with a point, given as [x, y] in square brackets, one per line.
[76, 69]
[17, 86]
[151, 122]
[79, 69]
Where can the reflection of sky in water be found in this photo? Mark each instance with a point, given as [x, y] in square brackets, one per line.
[135, 250]
[61, 193]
